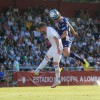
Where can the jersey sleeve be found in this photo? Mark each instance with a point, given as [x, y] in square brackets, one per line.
[65, 25]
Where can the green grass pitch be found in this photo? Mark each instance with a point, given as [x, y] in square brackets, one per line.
[47, 93]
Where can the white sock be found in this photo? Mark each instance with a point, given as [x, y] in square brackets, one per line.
[57, 73]
[42, 65]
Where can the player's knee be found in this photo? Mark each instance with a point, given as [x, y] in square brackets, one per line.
[66, 52]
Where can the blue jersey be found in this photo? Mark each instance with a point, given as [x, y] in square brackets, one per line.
[63, 25]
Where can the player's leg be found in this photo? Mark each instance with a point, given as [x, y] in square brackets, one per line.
[57, 70]
[44, 62]
[42, 65]
[57, 75]
[75, 56]
[56, 60]
[67, 52]
[84, 63]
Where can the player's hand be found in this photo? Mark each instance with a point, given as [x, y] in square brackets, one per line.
[76, 35]
[59, 51]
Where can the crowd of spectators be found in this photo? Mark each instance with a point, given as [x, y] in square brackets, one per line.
[21, 44]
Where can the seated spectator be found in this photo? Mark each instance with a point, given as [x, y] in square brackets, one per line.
[78, 65]
[97, 66]
[37, 19]
[16, 65]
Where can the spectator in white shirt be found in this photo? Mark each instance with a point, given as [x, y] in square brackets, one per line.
[10, 22]
[15, 37]
[36, 34]
[37, 19]
[27, 33]
[16, 66]
[97, 66]
[18, 57]
[11, 51]
[30, 17]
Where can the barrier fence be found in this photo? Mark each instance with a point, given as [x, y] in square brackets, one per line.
[47, 78]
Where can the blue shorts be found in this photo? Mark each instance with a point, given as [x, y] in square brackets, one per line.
[67, 43]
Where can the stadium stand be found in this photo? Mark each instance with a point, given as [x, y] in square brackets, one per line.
[21, 43]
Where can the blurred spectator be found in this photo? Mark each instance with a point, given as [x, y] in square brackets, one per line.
[97, 66]
[16, 66]
[78, 65]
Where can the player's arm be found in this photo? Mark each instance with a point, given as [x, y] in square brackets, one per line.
[73, 31]
[57, 43]
[65, 33]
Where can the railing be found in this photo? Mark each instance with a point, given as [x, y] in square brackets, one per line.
[51, 68]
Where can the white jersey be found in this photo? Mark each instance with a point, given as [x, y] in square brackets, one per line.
[51, 33]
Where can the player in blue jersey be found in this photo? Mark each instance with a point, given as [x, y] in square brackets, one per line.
[64, 29]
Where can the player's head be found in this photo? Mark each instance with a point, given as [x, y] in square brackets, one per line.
[42, 27]
[54, 14]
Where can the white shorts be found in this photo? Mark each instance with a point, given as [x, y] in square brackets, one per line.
[53, 53]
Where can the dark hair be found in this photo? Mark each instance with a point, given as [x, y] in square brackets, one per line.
[41, 24]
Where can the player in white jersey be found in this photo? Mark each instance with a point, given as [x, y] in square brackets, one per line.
[54, 52]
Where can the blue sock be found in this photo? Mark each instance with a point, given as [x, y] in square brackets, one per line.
[75, 56]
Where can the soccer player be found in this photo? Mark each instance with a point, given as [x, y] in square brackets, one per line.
[64, 28]
[54, 52]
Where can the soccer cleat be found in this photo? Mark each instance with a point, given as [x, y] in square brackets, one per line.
[86, 65]
[61, 69]
[36, 72]
[56, 84]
